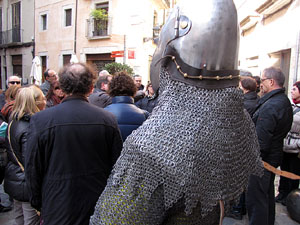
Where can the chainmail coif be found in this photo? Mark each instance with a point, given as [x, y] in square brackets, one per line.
[198, 146]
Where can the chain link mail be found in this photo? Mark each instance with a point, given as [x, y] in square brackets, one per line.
[198, 147]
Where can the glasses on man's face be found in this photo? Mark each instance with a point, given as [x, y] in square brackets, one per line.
[262, 80]
[57, 88]
[14, 82]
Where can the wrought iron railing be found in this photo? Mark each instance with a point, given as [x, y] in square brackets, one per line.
[11, 36]
[98, 28]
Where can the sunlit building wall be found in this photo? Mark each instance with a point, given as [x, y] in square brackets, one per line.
[270, 36]
[66, 27]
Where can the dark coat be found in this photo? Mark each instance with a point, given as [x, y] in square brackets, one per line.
[250, 101]
[147, 103]
[2, 99]
[273, 119]
[128, 115]
[14, 180]
[100, 99]
[73, 147]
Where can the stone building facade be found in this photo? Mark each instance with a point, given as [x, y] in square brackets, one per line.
[65, 28]
[16, 39]
[270, 36]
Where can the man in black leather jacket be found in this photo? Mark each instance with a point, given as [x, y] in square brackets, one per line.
[273, 119]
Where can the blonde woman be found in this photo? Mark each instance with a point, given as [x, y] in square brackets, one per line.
[29, 100]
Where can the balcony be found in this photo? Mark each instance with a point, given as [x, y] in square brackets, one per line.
[98, 29]
[11, 37]
[272, 6]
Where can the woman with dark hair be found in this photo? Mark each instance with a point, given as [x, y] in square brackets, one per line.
[291, 150]
[149, 101]
[248, 85]
[55, 95]
[29, 101]
[122, 90]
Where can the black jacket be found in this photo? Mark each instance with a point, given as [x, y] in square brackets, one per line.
[14, 181]
[73, 147]
[273, 119]
[100, 99]
[147, 103]
[250, 101]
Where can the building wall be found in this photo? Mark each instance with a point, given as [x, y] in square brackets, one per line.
[128, 28]
[57, 39]
[272, 41]
[24, 47]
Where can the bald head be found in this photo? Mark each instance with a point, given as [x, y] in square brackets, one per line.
[77, 79]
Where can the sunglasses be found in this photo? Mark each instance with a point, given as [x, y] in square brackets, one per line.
[14, 82]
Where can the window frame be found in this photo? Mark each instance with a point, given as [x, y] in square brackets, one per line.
[42, 16]
[64, 16]
[66, 19]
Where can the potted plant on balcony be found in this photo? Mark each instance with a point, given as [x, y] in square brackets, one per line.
[100, 17]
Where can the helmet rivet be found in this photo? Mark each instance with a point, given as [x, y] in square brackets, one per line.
[218, 78]
[173, 57]
[183, 24]
[185, 75]
[178, 67]
[200, 77]
[230, 77]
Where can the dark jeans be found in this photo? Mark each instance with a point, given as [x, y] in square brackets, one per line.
[241, 207]
[260, 199]
[290, 163]
[2, 171]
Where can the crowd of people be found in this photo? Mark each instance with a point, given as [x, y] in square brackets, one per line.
[59, 159]
[106, 109]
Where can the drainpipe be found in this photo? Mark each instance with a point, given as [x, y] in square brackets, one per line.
[125, 49]
[297, 57]
[75, 32]
[33, 38]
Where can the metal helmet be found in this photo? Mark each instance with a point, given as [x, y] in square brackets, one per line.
[199, 44]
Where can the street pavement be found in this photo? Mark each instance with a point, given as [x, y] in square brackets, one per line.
[282, 217]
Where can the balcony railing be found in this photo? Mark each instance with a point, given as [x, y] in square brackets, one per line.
[11, 36]
[98, 28]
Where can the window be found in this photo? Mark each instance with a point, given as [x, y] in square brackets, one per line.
[44, 65]
[66, 59]
[17, 64]
[101, 25]
[0, 33]
[68, 17]
[16, 21]
[16, 15]
[44, 22]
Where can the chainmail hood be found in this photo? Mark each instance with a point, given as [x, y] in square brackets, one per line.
[198, 145]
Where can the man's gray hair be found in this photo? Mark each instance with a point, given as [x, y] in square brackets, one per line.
[136, 75]
[276, 74]
[102, 79]
[103, 72]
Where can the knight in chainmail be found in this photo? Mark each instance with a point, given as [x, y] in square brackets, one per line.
[198, 147]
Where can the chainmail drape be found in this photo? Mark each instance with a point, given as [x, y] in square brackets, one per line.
[198, 147]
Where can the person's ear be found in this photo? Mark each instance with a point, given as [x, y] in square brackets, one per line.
[91, 90]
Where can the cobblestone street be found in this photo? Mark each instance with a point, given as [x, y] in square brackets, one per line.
[282, 217]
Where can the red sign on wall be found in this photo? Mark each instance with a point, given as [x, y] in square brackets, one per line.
[131, 54]
[115, 54]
